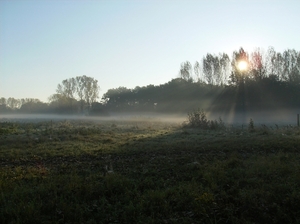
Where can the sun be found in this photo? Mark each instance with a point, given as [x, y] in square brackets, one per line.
[242, 65]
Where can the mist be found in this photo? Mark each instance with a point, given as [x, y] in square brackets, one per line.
[264, 117]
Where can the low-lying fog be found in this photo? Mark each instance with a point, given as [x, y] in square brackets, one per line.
[283, 117]
[279, 117]
[113, 117]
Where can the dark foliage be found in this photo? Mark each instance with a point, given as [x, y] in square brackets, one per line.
[198, 119]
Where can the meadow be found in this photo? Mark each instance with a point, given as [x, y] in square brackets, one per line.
[147, 171]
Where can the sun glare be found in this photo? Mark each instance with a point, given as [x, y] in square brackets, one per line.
[242, 65]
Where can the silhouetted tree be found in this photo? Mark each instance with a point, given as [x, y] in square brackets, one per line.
[208, 68]
[67, 90]
[82, 88]
[2, 101]
[3, 107]
[87, 91]
[291, 65]
[257, 68]
[238, 76]
[225, 68]
[197, 71]
[13, 103]
[186, 71]
[34, 106]
[59, 103]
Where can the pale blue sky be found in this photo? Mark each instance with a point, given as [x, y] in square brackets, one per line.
[129, 43]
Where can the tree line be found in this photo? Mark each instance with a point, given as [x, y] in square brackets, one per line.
[221, 70]
[270, 79]
[73, 96]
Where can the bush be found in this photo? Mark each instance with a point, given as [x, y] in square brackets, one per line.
[197, 118]
[251, 125]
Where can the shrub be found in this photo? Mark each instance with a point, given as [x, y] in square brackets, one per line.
[197, 118]
[251, 125]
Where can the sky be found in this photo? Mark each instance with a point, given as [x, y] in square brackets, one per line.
[129, 43]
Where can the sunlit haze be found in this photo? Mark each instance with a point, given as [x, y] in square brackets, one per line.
[242, 65]
[129, 43]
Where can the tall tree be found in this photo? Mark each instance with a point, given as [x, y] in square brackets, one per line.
[197, 71]
[208, 68]
[258, 71]
[275, 64]
[67, 88]
[2, 101]
[87, 90]
[225, 68]
[186, 71]
[91, 90]
[82, 88]
[217, 70]
[291, 67]
[13, 103]
[239, 76]
[67, 91]
[295, 73]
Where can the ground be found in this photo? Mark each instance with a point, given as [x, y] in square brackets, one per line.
[147, 171]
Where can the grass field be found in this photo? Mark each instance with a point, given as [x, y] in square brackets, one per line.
[69, 171]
